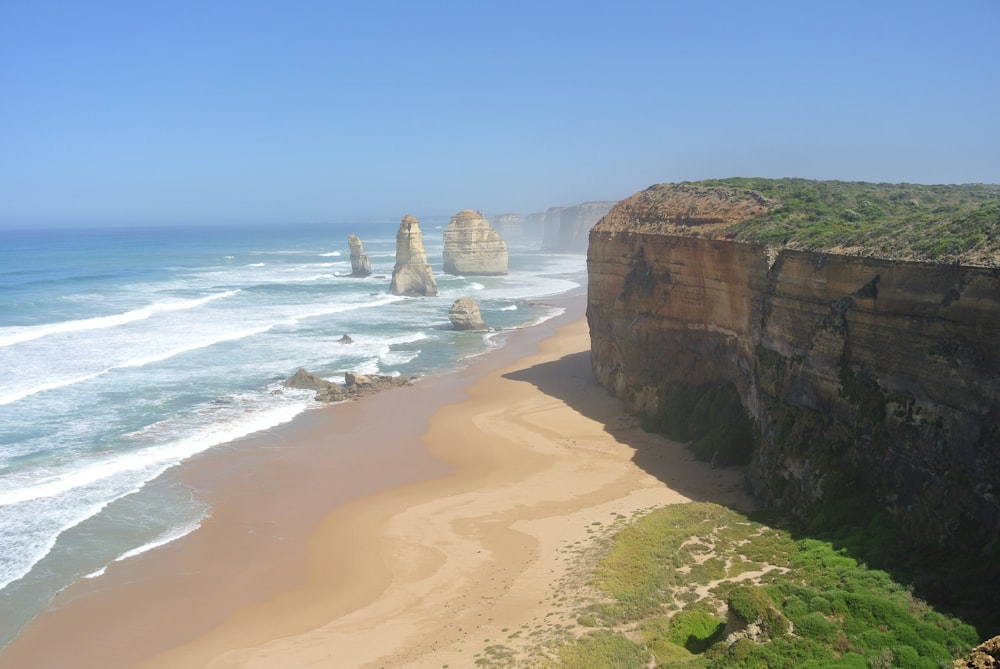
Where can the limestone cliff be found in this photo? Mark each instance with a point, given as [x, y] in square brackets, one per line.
[575, 223]
[412, 274]
[865, 380]
[534, 225]
[566, 229]
[508, 225]
[472, 247]
[360, 265]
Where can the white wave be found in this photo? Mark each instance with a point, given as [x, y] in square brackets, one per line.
[160, 357]
[334, 254]
[17, 335]
[10, 398]
[512, 307]
[152, 461]
[167, 537]
[138, 362]
[398, 357]
[41, 546]
[257, 264]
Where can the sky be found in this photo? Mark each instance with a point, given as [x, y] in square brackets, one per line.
[220, 111]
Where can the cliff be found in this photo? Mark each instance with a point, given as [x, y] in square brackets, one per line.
[508, 225]
[412, 274]
[566, 229]
[856, 384]
[472, 247]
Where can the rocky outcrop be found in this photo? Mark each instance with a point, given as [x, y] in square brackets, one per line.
[984, 656]
[472, 247]
[508, 225]
[412, 275]
[867, 382]
[465, 315]
[355, 385]
[360, 265]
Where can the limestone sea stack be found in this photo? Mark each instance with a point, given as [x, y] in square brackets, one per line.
[465, 315]
[360, 265]
[412, 275]
[472, 247]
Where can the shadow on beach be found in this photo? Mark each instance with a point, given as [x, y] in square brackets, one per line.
[571, 380]
[961, 586]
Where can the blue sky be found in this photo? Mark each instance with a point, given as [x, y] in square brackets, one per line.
[217, 111]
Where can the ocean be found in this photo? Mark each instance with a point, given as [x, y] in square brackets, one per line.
[125, 352]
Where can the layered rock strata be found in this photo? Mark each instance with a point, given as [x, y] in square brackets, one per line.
[412, 275]
[465, 315]
[866, 380]
[360, 265]
[472, 247]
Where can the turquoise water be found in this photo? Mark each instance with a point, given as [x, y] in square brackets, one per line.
[125, 352]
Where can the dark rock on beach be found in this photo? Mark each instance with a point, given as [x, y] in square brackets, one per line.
[354, 386]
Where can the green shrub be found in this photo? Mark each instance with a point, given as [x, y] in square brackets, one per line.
[753, 605]
[603, 649]
[711, 418]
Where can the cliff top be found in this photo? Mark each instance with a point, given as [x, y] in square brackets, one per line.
[936, 223]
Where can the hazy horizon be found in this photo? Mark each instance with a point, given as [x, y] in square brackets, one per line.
[188, 113]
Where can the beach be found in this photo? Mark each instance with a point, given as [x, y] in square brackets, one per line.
[475, 493]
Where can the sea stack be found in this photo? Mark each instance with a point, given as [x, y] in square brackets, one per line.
[465, 315]
[360, 266]
[411, 275]
[472, 247]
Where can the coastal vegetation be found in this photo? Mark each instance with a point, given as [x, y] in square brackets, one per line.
[937, 223]
[698, 585]
[708, 417]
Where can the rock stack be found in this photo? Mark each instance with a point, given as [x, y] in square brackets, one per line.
[472, 247]
[360, 266]
[465, 315]
[411, 275]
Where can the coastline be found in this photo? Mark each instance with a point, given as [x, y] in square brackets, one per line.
[450, 524]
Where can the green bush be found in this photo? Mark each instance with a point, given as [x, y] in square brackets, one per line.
[603, 649]
[753, 605]
[711, 418]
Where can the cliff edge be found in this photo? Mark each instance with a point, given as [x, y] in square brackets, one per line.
[840, 338]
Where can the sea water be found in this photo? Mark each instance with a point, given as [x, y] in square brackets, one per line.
[125, 352]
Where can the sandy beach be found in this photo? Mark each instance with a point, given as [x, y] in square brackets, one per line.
[475, 498]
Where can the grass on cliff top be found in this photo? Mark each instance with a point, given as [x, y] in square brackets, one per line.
[938, 223]
[675, 578]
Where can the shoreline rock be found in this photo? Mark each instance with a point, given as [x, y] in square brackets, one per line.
[355, 385]
[465, 315]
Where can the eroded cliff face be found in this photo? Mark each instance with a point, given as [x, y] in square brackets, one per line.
[472, 246]
[360, 265]
[566, 229]
[865, 380]
[412, 275]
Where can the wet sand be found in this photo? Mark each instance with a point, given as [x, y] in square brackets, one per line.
[402, 530]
